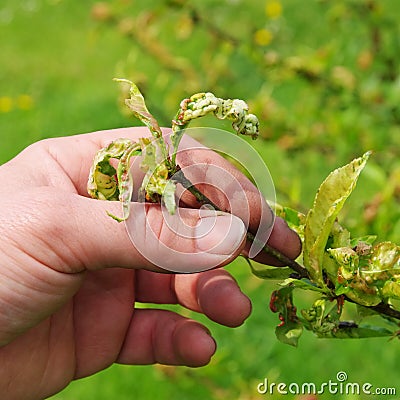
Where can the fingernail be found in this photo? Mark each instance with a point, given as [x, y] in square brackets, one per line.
[219, 233]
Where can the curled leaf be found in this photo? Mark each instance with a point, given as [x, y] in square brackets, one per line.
[201, 104]
[137, 105]
[107, 183]
[156, 185]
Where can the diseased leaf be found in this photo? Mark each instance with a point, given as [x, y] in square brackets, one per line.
[385, 257]
[137, 105]
[328, 202]
[125, 181]
[102, 183]
[368, 275]
[290, 328]
[139, 109]
[201, 104]
[107, 183]
[156, 184]
[289, 333]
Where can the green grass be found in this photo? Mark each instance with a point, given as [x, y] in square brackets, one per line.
[65, 61]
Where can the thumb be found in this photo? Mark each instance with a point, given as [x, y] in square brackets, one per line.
[75, 233]
[191, 240]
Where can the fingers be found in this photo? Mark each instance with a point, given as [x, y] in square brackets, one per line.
[188, 241]
[229, 190]
[66, 162]
[161, 336]
[102, 310]
[80, 235]
[282, 239]
[214, 293]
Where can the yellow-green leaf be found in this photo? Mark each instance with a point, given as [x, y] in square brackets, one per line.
[328, 202]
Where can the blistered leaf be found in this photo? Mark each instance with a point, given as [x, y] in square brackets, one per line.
[168, 197]
[385, 257]
[102, 183]
[125, 180]
[290, 328]
[323, 318]
[107, 183]
[361, 293]
[201, 104]
[347, 259]
[156, 184]
[139, 109]
[391, 289]
[137, 105]
[328, 202]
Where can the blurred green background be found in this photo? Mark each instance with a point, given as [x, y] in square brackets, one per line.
[324, 78]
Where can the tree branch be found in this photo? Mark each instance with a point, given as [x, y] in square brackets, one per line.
[179, 177]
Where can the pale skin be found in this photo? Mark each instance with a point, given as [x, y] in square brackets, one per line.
[70, 275]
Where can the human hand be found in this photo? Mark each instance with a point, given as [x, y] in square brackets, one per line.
[70, 275]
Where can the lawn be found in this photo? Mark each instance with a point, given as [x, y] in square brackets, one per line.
[324, 79]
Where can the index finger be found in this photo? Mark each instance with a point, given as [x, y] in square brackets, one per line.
[228, 188]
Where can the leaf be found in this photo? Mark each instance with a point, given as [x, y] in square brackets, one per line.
[102, 183]
[328, 202]
[201, 104]
[292, 217]
[156, 184]
[139, 109]
[295, 219]
[289, 333]
[125, 181]
[385, 256]
[271, 273]
[353, 331]
[290, 328]
[304, 284]
[368, 239]
[347, 259]
[168, 196]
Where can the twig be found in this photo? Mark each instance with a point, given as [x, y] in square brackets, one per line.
[382, 308]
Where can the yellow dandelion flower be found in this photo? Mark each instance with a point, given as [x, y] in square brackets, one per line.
[273, 9]
[24, 102]
[6, 104]
[263, 37]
